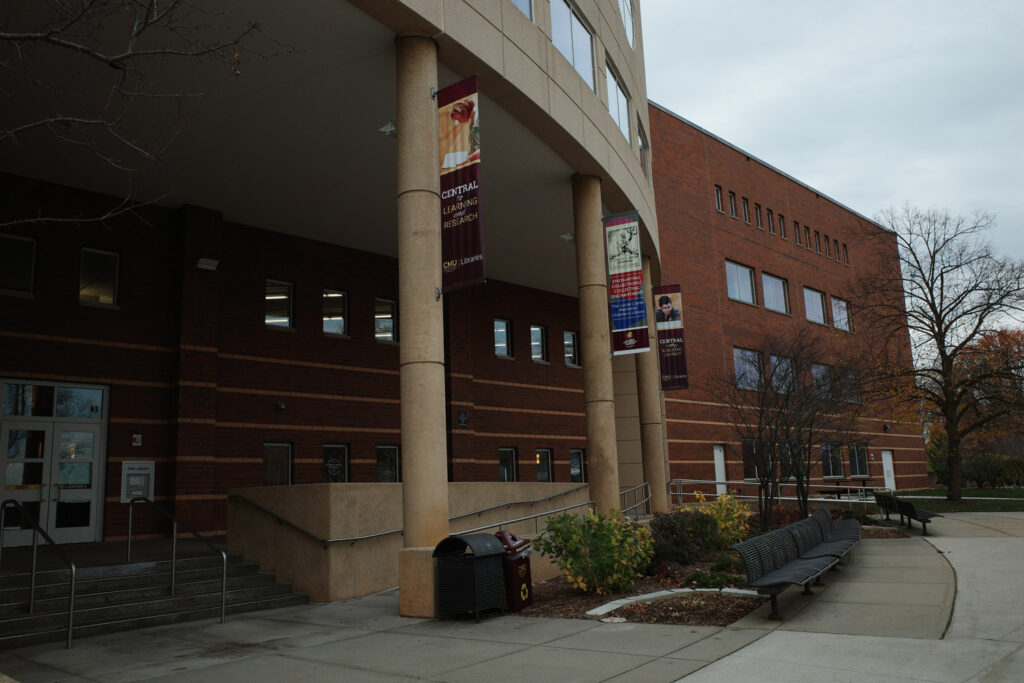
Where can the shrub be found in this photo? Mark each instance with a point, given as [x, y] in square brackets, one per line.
[683, 536]
[731, 516]
[705, 580]
[597, 553]
[985, 469]
[729, 565]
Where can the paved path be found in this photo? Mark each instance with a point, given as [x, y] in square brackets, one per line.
[894, 614]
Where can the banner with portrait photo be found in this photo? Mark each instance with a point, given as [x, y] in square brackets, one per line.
[626, 302]
[668, 319]
[462, 241]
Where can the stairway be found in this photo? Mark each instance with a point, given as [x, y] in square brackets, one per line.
[129, 596]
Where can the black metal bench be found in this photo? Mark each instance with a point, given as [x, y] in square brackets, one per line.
[915, 514]
[887, 504]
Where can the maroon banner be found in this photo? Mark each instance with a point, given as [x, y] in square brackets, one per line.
[668, 319]
[462, 240]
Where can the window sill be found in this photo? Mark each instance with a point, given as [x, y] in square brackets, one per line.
[540, 362]
[280, 328]
[504, 357]
[741, 301]
[336, 335]
[836, 478]
[574, 366]
[785, 313]
[97, 304]
[387, 342]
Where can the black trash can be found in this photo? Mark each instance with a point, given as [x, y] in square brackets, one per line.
[518, 581]
[469, 574]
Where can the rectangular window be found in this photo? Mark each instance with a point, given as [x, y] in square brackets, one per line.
[385, 320]
[389, 464]
[775, 292]
[846, 255]
[732, 204]
[858, 460]
[740, 282]
[817, 242]
[821, 376]
[28, 400]
[502, 338]
[828, 253]
[835, 249]
[782, 226]
[97, 282]
[718, 198]
[507, 465]
[336, 465]
[17, 264]
[771, 221]
[539, 343]
[544, 465]
[747, 368]
[644, 148]
[573, 40]
[796, 229]
[783, 379]
[807, 237]
[618, 101]
[831, 461]
[525, 6]
[841, 315]
[570, 348]
[748, 449]
[277, 464]
[814, 306]
[277, 307]
[757, 217]
[848, 386]
[746, 209]
[335, 312]
[577, 465]
[626, 9]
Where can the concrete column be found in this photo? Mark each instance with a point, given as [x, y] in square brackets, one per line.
[420, 315]
[648, 381]
[595, 343]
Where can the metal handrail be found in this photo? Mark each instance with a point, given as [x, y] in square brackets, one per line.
[678, 494]
[517, 502]
[646, 488]
[174, 549]
[36, 530]
[535, 517]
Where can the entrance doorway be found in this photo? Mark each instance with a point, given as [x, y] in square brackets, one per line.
[887, 471]
[53, 461]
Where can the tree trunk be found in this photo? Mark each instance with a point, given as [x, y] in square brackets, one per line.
[954, 461]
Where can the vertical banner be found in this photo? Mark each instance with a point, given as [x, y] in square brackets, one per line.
[625, 284]
[668, 318]
[462, 240]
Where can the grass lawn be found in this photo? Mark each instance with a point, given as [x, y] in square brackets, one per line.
[982, 500]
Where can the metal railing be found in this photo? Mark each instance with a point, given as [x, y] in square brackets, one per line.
[863, 494]
[36, 531]
[175, 523]
[536, 517]
[640, 499]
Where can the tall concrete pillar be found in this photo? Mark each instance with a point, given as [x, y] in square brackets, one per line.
[424, 447]
[595, 343]
[648, 380]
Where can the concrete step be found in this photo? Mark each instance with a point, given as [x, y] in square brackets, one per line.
[56, 576]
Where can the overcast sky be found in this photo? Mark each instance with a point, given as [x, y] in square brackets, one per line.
[873, 103]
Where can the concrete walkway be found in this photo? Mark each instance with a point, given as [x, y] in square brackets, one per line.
[897, 612]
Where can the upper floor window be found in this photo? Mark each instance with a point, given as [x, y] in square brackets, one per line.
[618, 101]
[849, 386]
[718, 198]
[335, 312]
[783, 377]
[858, 460]
[747, 368]
[821, 376]
[746, 209]
[835, 249]
[841, 315]
[577, 465]
[538, 343]
[831, 460]
[570, 348]
[507, 470]
[757, 217]
[807, 237]
[782, 226]
[545, 471]
[817, 242]
[846, 255]
[644, 148]
[385, 320]
[771, 221]
[336, 465]
[814, 305]
[572, 38]
[17, 264]
[828, 251]
[626, 8]
[796, 229]
[97, 282]
[525, 6]
[775, 292]
[740, 282]
[502, 338]
[732, 204]
[389, 464]
[277, 308]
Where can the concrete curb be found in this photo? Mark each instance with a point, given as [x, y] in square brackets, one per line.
[606, 608]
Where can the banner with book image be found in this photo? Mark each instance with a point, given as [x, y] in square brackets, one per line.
[668, 319]
[626, 302]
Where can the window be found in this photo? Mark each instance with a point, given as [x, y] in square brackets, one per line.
[732, 204]
[782, 226]
[814, 305]
[626, 8]
[539, 343]
[841, 315]
[385, 320]
[859, 460]
[817, 242]
[740, 281]
[747, 366]
[846, 255]
[831, 461]
[644, 148]
[277, 464]
[821, 376]
[718, 198]
[544, 472]
[28, 400]
[17, 264]
[336, 467]
[525, 6]
[618, 101]
[757, 217]
[570, 348]
[502, 338]
[572, 39]
[783, 379]
[796, 229]
[746, 209]
[749, 453]
[97, 282]
[335, 312]
[828, 253]
[776, 296]
[835, 249]
[771, 221]
[277, 308]
[848, 386]
[577, 465]
[389, 464]
[507, 465]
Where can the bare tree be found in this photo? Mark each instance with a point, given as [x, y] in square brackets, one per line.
[92, 75]
[952, 292]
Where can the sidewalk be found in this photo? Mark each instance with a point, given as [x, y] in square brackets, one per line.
[885, 615]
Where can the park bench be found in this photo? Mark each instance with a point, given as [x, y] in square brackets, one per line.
[795, 555]
[912, 512]
[887, 503]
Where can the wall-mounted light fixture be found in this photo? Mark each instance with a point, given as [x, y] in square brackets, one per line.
[568, 237]
[207, 263]
[280, 405]
[389, 129]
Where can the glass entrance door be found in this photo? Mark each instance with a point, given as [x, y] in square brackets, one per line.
[26, 449]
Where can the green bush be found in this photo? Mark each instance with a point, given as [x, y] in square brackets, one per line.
[597, 553]
[705, 580]
[985, 469]
[732, 517]
[729, 564]
[683, 536]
